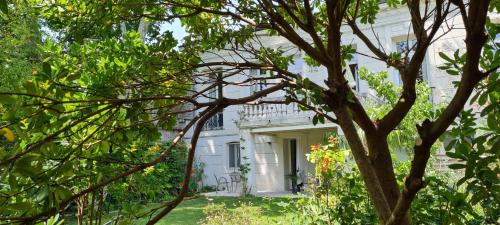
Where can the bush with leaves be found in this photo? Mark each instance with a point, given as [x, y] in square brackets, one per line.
[340, 198]
[474, 140]
[403, 138]
[155, 184]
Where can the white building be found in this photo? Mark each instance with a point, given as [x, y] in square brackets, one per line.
[275, 138]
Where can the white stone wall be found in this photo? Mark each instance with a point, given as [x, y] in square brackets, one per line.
[268, 170]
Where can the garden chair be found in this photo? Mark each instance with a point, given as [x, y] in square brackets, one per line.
[221, 181]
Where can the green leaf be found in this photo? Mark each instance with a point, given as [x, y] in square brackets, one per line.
[321, 119]
[457, 166]
[455, 155]
[482, 99]
[445, 57]
[307, 82]
[452, 72]
[24, 165]
[120, 63]
[315, 120]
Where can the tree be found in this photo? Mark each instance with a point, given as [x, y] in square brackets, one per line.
[93, 89]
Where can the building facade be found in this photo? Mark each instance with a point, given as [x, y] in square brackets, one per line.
[275, 138]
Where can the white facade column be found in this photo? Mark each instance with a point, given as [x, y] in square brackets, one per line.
[247, 143]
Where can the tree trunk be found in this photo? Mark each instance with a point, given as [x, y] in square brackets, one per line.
[381, 160]
[366, 169]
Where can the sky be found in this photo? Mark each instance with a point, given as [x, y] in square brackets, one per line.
[176, 28]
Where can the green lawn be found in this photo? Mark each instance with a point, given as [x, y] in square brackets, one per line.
[189, 212]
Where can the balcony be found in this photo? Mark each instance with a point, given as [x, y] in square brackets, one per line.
[274, 115]
[266, 115]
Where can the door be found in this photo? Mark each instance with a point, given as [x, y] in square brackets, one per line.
[293, 158]
[290, 163]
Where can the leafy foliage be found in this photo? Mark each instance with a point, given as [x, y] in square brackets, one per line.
[387, 95]
[100, 92]
[474, 144]
[80, 95]
[337, 193]
[155, 184]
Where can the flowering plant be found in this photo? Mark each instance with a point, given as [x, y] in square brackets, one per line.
[327, 158]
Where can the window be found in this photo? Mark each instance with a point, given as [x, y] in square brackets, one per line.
[258, 84]
[216, 122]
[213, 93]
[234, 155]
[406, 47]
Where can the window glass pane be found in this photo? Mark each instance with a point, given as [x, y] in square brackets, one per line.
[216, 122]
[213, 93]
[238, 157]
[234, 155]
[220, 119]
[258, 84]
[231, 155]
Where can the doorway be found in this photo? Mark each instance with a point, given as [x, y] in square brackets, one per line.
[290, 164]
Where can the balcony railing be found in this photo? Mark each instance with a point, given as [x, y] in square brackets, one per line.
[266, 111]
[272, 113]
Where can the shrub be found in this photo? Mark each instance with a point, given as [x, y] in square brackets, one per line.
[158, 183]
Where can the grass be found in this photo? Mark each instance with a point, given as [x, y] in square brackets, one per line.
[189, 212]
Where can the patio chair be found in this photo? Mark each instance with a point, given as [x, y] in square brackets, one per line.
[221, 181]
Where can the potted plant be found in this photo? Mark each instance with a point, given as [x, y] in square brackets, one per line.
[293, 178]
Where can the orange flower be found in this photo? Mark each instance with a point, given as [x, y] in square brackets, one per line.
[181, 184]
[315, 147]
[326, 161]
[333, 140]
[323, 169]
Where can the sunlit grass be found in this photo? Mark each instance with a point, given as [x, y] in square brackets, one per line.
[189, 212]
